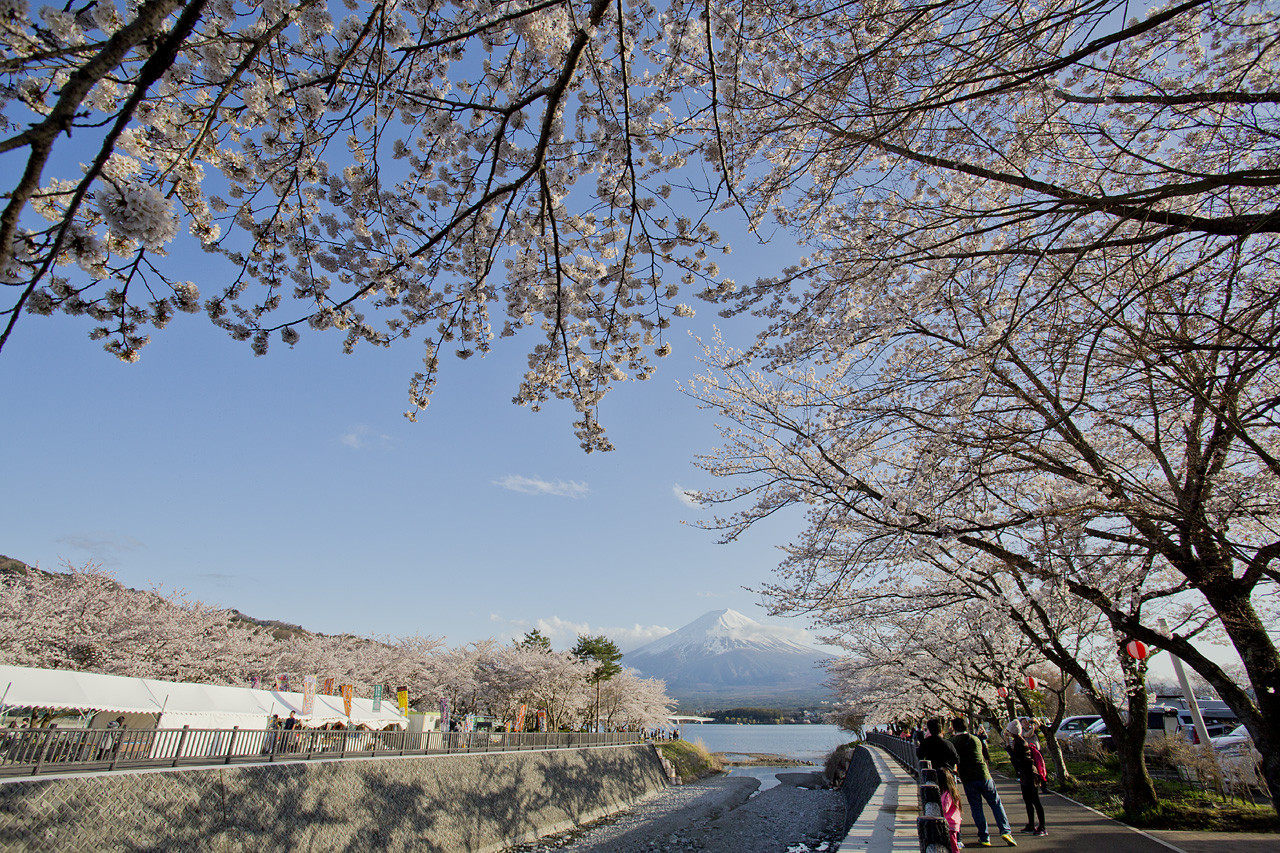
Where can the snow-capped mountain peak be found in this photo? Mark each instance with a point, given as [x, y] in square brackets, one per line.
[722, 631]
[724, 655]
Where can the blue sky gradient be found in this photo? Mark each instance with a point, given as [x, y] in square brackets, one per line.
[292, 487]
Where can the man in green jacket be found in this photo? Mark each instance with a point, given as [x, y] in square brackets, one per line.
[973, 773]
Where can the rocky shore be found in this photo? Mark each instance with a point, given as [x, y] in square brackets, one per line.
[716, 815]
[758, 759]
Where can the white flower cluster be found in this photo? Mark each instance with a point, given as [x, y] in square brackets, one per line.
[138, 212]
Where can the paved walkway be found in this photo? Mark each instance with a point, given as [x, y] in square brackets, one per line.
[888, 825]
[888, 821]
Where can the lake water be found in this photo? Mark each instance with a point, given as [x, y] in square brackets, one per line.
[803, 743]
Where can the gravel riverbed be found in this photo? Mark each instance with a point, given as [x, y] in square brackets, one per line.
[717, 815]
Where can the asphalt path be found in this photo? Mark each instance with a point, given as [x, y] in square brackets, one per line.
[1079, 829]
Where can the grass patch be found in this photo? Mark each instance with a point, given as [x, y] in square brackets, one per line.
[1194, 809]
[1097, 784]
[690, 759]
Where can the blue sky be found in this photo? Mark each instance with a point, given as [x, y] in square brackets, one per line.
[292, 487]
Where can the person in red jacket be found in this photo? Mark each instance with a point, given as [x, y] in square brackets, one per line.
[1029, 777]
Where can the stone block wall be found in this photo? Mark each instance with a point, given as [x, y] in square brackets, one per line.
[468, 802]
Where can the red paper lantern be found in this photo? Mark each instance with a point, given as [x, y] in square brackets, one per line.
[1032, 684]
[1137, 650]
[1002, 692]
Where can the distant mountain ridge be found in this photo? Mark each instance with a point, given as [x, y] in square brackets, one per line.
[725, 657]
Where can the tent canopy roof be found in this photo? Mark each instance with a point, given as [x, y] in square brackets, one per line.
[91, 691]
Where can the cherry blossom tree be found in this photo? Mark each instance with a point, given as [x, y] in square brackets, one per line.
[910, 136]
[629, 701]
[916, 437]
[540, 679]
[386, 171]
[1042, 244]
[84, 619]
[947, 641]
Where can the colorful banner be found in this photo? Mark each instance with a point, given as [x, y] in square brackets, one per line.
[348, 693]
[444, 714]
[377, 698]
[519, 726]
[282, 682]
[402, 699]
[328, 687]
[542, 721]
[308, 694]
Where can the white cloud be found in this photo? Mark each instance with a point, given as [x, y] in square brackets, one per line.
[563, 633]
[534, 486]
[362, 437]
[685, 496]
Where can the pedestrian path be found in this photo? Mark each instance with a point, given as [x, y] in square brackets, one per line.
[888, 824]
[1072, 827]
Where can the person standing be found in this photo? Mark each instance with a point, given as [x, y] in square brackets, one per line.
[949, 797]
[269, 739]
[290, 738]
[978, 786]
[936, 749]
[1029, 777]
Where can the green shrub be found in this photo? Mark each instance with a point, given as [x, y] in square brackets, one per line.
[690, 759]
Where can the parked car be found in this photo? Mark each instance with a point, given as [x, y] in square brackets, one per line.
[1216, 729]
[1236, 742]
[1075, 725]
[1239, 759]
[1164, 720]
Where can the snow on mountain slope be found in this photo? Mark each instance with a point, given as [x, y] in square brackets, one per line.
[722, 631]
[724, 655]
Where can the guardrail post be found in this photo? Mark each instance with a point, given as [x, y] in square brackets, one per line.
[117, 747]
[231, 747]
[41, 746]
[934, 835]
[182, 739]
[931, 826]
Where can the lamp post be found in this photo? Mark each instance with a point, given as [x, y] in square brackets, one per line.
[1202, 731]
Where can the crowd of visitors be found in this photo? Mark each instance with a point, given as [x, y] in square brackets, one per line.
[965, 757]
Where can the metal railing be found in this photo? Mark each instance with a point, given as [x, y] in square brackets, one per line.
[903, 749]
[25, 752]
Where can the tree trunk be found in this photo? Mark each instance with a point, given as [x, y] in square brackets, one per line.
[1060, 773]
[1128, 738]
[1139, 791]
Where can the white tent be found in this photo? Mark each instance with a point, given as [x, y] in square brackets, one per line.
[177, 704]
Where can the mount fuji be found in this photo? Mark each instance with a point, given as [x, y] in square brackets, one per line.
[724, 658]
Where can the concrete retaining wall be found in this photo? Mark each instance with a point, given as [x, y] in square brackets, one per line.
[475, 803]
[860, 782]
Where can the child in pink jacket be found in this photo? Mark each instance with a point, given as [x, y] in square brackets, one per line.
[950, 805]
